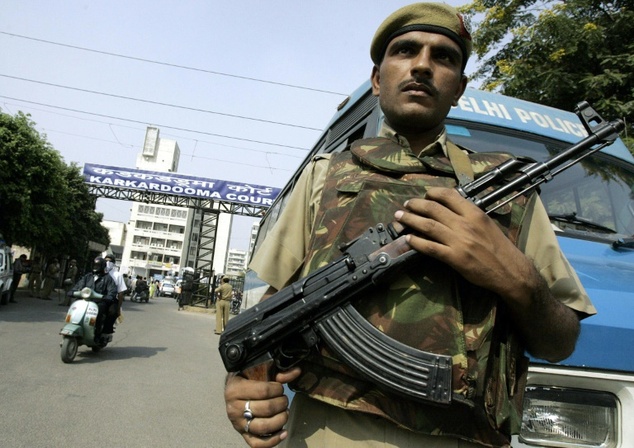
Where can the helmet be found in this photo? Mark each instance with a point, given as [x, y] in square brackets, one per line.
[99, 266]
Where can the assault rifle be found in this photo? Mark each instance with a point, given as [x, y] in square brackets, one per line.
[279, 332]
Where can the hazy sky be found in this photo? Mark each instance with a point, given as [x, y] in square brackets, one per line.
[80, 67]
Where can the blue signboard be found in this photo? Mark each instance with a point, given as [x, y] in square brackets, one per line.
[179, 184]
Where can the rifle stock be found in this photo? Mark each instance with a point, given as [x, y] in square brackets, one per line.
[282, 330]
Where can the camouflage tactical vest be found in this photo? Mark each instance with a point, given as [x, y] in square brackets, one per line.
[428, 306]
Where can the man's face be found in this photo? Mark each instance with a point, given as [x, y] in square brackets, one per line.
[418, 81]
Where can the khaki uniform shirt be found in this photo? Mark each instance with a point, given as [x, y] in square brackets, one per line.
[224, 291]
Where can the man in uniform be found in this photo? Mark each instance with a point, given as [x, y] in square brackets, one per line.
[224, 294]
[50, 279]
[35, 277]
[19, 268]
[488, 286]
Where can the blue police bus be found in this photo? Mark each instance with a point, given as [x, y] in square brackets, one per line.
[586, 400]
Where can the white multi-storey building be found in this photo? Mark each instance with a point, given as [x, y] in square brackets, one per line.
[236, 262]
[163, 239]
[156, 240]
[117, 232]
[254, 234]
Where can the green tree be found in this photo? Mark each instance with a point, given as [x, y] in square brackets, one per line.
[558, 53]
[43, 202]
[82, 221]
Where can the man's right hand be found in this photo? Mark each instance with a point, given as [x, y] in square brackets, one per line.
[268, 405]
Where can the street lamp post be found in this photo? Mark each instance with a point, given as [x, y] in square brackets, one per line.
[148, 265]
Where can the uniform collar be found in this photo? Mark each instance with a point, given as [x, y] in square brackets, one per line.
[437, 147]
[391, 152]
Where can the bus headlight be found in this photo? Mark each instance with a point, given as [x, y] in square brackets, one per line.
[559, 417]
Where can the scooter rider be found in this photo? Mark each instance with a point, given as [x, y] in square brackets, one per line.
[99, 281]
[140, 287]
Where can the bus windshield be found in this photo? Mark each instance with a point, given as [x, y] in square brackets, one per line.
[594, 195]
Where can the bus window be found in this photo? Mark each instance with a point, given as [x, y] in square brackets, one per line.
[594, 191]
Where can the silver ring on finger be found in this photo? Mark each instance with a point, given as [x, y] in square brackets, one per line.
[246, 427]
[248, 413]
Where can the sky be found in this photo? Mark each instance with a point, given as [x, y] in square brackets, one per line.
[245, 86]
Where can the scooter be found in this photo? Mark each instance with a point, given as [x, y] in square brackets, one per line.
[141, 294]
[81, 320]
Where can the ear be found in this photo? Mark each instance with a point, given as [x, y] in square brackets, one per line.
[460, 89]
[375, 78]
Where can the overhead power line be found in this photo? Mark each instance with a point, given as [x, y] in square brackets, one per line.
[128, 145]
[136, 128]
[156, 124]
[112, 95]
[184, 67]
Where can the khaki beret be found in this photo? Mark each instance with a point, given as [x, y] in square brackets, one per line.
[430, 17]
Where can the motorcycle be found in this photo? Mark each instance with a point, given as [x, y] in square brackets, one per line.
[236, 302]
[141, 294]
[79, 330]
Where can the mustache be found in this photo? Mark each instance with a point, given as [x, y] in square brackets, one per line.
[418, 83]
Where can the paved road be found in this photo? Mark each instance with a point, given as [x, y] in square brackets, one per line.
[159, 384]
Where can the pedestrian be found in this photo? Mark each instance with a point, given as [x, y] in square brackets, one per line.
[153, 286]
[35, 277]
[223, 304]
[115, 310]
[19, 267]
[133, 281]
[186, 288]
[69, 280]
[51, 276]
[128, 284]
[487, 288]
